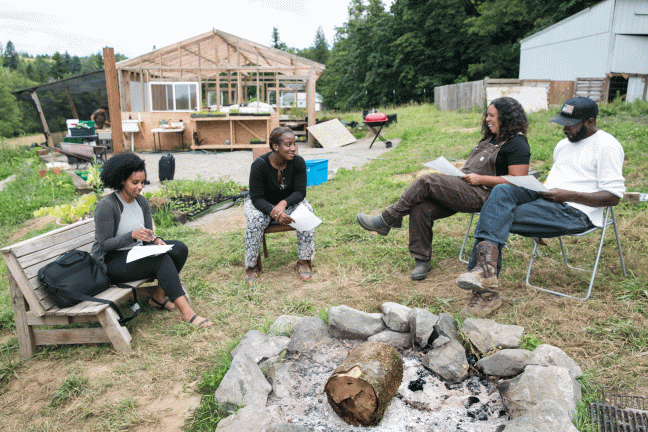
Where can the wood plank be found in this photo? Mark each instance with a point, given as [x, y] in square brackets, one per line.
[71, 336]
[44, 256]
[21, 281]
[51, 238]
[331, 134]
[114, 294]
[118, 335]
[24, 333]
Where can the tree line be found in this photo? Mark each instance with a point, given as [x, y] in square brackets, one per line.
[378, 57]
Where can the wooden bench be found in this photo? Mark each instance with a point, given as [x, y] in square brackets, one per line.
[33, 307]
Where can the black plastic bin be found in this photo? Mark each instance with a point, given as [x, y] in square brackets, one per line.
[166, 167]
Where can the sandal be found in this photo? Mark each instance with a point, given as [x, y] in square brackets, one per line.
[158, 305]
[304, 270]
[200, 323]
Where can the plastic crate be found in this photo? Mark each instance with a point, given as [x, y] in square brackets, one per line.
[82, 131]
[316, 171]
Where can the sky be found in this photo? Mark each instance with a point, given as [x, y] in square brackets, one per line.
[134, 27]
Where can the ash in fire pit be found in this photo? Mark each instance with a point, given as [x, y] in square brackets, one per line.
[435, 394]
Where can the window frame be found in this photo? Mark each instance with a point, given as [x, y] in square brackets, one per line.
[173, 85]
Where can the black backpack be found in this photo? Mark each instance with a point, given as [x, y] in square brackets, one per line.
[75, 277]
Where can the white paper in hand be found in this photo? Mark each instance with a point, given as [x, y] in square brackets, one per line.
[139, 252]
[305, 220]
[442, 164]
[528, 182]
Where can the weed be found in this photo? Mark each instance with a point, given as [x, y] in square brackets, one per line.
[71, 387]
[8, 370]
[530, 342]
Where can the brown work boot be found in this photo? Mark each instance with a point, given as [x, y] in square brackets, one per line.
[484, 274]
[481, 305]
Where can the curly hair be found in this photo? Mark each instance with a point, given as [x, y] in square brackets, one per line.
[277, 135]
[512, 120]
[119, 168]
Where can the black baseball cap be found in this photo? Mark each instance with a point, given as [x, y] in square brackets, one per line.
[575, 110]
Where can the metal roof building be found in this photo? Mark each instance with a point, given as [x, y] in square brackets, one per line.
[608, 42]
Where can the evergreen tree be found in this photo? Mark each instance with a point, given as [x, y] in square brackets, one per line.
[276, 41]
[58, 69]
[320, 49]
[10, 58]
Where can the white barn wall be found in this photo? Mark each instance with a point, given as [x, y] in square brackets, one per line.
[631, 17]
[576, 47]
[630, 55]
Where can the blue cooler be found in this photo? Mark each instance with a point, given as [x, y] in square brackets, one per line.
[316, 171]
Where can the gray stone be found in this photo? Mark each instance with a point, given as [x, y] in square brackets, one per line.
[504, 363]
[242, 385]
[393, 338]
[252, 418]
[421, 323]
[448, 361]
[395, 316]
[547, 416]
[447, 325]
[537, 384]
[548, 355]
[261, 346]
[349, 323]
[487, 335]
[308, 333]
[284, 325]
[280, 377]
[287, 427]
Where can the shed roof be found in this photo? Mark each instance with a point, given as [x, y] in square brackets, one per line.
[211, 53]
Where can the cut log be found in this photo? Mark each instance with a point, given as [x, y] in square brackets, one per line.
[361, 387]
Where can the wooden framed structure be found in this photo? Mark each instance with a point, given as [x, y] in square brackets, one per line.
[226, 70]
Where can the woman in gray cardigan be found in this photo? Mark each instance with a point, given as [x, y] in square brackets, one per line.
[123, 220]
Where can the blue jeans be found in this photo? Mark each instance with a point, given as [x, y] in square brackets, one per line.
[512, 209]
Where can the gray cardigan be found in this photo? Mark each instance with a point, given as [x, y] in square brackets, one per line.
[107, 217]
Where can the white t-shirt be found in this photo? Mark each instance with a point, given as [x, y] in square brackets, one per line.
[132, 218]
[590, 165]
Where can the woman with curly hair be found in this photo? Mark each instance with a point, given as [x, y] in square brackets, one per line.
[123, 220]
[503, 150]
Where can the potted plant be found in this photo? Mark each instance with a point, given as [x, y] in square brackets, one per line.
[205, 113]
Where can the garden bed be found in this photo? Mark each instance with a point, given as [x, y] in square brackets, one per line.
[195, 208]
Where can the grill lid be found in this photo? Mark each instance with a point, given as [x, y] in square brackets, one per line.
[376, 117]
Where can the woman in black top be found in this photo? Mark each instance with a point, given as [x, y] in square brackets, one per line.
[277, 187]
[503, 150]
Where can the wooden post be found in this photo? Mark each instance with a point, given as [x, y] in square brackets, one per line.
[71, 103]
[310, 98]
[46, 131]
[112, 88]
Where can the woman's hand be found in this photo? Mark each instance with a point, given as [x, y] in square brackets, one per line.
[158, 241]
[146, 235]
[278, 213]
[473, 179]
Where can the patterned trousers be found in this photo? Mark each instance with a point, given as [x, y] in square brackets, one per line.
[257, 222]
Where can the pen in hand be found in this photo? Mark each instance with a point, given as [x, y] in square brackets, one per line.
[154, 236]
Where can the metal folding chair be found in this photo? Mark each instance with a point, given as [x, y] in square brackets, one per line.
[609, 220]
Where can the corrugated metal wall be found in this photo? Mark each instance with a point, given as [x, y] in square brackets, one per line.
[631, 17]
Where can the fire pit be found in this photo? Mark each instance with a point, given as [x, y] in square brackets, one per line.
[442, 388]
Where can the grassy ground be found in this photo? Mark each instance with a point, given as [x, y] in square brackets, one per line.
[159, 385]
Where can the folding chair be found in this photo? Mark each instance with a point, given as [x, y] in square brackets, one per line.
[607, 221]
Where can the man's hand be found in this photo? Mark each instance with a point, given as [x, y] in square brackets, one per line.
[473, 179]
[558, 195]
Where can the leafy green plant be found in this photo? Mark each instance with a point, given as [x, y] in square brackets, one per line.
[9, 369]
[94, 176]
[70, 213]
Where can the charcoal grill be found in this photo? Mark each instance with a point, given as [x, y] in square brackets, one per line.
[620, 414]
[377, 121]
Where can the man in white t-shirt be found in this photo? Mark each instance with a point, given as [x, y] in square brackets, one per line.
[586, 176]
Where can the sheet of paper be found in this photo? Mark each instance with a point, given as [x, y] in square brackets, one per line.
[139, 252]
[305, 220]
[528, 182]
[442, 164]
